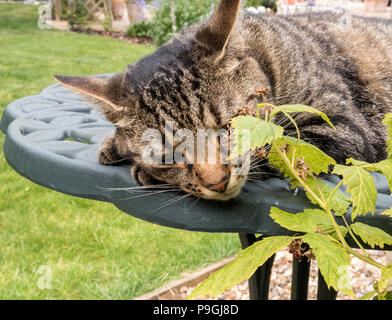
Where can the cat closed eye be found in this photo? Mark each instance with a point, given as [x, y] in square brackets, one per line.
[172, 160]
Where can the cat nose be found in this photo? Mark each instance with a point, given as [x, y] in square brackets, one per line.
[221, 186]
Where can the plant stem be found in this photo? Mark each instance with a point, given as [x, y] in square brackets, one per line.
[334, 192]
[318, 187]
[325, 206]
[295, 174]
[365, 253]
[366, 257]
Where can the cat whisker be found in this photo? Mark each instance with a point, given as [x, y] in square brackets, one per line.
[172, 201]
[262, 165]
[194, 202]
[158, 186]
[294, 134]
[152, 191]
[117, 161]
[259, 173]
[149, 194]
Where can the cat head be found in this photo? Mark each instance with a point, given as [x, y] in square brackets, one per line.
[198, 80]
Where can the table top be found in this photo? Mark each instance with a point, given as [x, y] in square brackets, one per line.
[52, 139]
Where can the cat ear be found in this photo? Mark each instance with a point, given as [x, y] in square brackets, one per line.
[107, 91]
[216, 33]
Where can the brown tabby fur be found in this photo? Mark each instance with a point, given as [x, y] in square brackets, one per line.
[202, 77]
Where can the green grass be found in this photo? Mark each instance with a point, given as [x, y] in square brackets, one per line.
[94, 251]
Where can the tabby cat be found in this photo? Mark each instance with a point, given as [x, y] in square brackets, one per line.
[202, 77]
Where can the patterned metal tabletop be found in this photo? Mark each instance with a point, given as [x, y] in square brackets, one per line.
[52, 139]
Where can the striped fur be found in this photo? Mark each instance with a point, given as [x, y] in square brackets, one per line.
[202, 77]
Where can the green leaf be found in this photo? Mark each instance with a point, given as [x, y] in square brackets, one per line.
[241, 268]
[334, 234]
[332, 260]
[340, 202]
[308, 221]
[384, 166]
[371, 235]
[317, 160]
[368, 295]
[292, 108]
[251, 132]
[387, 212]
[385, 279]
[361, 186]
[388, 122]
[386, 296]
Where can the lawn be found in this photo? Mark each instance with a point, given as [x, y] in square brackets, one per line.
[92, 250]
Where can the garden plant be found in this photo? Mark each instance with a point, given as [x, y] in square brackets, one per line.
[326, 240]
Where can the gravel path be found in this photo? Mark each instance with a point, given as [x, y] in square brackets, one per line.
[361, 274]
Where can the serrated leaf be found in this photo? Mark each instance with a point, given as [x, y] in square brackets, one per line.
[340, 202]
[361, 186]
[388, 122]
[332, 260]
[240, 269]
[292, 108]
[384, 166]
[385, 279]
[316, 159]
[309, 221]
[251, 132]
[371, 235]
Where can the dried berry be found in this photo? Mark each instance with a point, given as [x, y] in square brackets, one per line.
[244, 111]
[295, 248]
[262, 93]
[303, 169]
[260, 153]
[285, 148]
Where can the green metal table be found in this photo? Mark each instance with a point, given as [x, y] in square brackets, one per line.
[52, 139]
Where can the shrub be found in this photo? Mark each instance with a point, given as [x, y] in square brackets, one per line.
[141, 29]
[186, 12]
[265, 3]
[164, 25]
[270, 4]
[77, 17]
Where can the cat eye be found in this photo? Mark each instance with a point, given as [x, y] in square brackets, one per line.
[169, 166]
[175, 156]
[251, 97]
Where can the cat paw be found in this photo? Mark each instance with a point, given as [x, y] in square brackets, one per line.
[105, 157]
[107, 154]
[141, 176]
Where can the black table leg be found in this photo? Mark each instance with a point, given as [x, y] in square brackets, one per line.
[259, 282]
[300, 279]
[323, 293]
